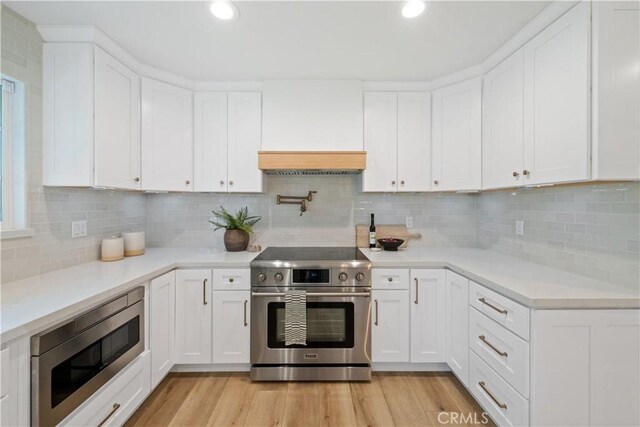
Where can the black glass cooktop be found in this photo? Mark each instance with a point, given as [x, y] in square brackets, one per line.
[311, 254]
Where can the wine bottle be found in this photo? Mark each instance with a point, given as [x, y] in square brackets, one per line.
[372, 234]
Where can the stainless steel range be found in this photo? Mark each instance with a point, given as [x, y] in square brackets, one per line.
[337, 282]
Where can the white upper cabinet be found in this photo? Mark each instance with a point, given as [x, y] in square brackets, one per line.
[616, 90]
[502, 124]
[227, 139]
[428, 316]
[556, 107]
[414, 132]
[312, 115]
[210, 141]
[167, 142]
[91, 118]
[245, 124]
[117, 123]
[380, 141]
[456, 137]
[396, 138]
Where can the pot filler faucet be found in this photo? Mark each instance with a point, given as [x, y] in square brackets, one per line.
[296, 200]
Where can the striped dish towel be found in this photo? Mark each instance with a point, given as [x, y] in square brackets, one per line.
[295, 317]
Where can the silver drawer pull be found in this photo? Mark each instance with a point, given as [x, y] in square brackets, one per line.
[204, 292]
[492, 347]
[502, 405]
[416, 300]
[116, 406]
[245, 313]
[376, 322]
[484, 301]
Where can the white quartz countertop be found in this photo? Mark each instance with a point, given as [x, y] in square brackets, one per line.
[530, 284]
[31, 305]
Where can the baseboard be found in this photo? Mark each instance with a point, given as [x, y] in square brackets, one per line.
[409, 367]
[376, 367]
[220, 367]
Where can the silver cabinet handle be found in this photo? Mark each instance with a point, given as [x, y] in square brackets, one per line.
[230, 279]
[390, 279]
[402, 182]
[314, 294]
[115, 407]
[245, 312]
[416, 300]
[221, 182]
[393, 183]
[137, 179]
[436, 182]
[230, 182]
[204, 292]
[525, 172]
[187, 182]
[491, 346]
[484, 301]
[515, 174]
[502, 405]
[376, 322]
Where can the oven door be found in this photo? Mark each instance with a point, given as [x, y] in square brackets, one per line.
[338, 329]
[66, 375]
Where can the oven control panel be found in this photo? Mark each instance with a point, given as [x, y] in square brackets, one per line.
[311, 276]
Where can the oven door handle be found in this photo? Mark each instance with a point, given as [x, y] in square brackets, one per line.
[314, 294]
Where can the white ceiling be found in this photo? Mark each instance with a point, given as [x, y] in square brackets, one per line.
[298, 39]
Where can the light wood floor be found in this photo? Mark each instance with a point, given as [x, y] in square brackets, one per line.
[210, 399]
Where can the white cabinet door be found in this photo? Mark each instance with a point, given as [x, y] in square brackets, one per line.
[616, 90]
[193, 316]
[244, 141]
[456, 137]
[380, 141]
[502, 124]
[8, 389]
[390, 330]
[15, 384]
[428, 317]
[67, 114]
[231, 326]
[414, 137]
[210, 141]
[117, 123]
[585, 368]
[162, 317]
[457, 309]
[556, 93]
[167, 142]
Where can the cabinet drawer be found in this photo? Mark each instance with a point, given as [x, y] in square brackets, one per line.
[508, 313]
[505, 406]
[385, 278]
[501, 349]
[231, 279]
[128, 390]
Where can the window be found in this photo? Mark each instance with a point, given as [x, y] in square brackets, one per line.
[13, 220]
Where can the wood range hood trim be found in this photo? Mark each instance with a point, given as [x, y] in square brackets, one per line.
[313, 161]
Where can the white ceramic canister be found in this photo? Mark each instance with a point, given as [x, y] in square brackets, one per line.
[112, 248]
[133, 243]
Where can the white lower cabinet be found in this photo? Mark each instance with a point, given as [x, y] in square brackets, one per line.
[503, 403]
[15, 381]
[118, 399]
[231, 326]
[390, 326]
[457, 309]
[162, 317]
[428, 317]
[193, 316]
[585, 369]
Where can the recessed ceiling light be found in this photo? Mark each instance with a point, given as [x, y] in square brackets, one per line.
[413, 8]
[224, 10]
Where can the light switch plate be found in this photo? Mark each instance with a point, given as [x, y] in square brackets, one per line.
[519, 228]
[78, 229]
[408, 221]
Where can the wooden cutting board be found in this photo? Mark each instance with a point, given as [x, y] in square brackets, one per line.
[399, 231]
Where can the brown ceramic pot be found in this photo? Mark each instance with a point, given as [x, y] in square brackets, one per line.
[236, 240]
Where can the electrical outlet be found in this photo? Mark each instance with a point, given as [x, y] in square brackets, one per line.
[519, 228]
[408, 221]
[78, 229]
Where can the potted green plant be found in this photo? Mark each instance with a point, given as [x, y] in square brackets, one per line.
[238, 227]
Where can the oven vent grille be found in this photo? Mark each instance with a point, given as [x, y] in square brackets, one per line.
[307, 172]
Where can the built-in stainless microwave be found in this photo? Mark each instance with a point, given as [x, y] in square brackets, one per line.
[71, 361]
